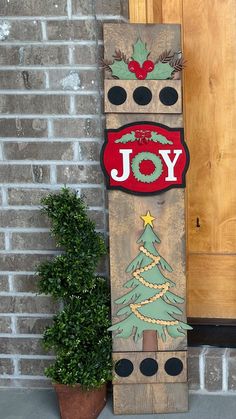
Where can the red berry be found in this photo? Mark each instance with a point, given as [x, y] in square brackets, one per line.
[141, 74]
[148, 134]
[137, 134]
[133, 66]
[148, 65]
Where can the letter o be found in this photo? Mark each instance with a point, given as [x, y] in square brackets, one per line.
[137, 160]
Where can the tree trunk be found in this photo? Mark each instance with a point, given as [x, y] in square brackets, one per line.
[150, 341]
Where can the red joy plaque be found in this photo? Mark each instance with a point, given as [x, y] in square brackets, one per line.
[145, 158]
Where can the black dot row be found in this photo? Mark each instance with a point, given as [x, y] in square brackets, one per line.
[117, 95]
[148, 367]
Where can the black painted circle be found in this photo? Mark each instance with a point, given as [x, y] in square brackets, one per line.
[174, 366]
[142, 95]
[117, 95]
[124, 367]
[168, 96]
[149, 367]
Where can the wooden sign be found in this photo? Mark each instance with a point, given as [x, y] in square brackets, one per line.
[144, 154]
[145, 158]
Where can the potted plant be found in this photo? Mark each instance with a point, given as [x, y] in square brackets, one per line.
[78, 336]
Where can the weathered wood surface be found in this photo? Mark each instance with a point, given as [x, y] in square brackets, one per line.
[125, 226]
[160, 377]
[167, 207]
[150, 398]
[155, 105]
[123, 36]
[220, 278]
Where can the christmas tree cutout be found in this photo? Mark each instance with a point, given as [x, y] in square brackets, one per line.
[150, 305]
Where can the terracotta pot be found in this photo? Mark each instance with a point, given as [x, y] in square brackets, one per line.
[76, 403]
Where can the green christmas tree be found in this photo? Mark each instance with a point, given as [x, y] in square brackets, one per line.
[150, 305]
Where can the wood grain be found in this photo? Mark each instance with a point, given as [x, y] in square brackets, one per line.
[172, 11]
[210, 92]
[124, 213]
[138, 11]
[160, 377]
[155, 105]
[123, 36]
[154, 11]
[212, 199]
[212, 286]
[150, 398]
[168, 208]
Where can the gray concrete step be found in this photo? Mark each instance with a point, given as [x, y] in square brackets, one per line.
[42, 404]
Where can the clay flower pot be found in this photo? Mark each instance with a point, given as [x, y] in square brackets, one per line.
[76, 403]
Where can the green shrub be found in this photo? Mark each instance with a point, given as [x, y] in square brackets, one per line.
[78, 336]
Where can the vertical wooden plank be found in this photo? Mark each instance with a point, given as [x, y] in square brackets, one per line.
[172, 11]
[124, 216]
[138, 11]
[210, 88]
[154, 11]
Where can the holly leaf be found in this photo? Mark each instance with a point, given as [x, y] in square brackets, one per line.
[120, 69]
[162, 71]
[140, 53]
[126, 138]
[158, 138]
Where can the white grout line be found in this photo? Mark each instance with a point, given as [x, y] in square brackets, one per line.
[7, 241]
[16, 366]
[13, 325]
[24, 229]
[48, 162]
[65, 17]
[46, 76]
[53, 174]
[46, 67]
[21, 335]
[53, 139]
[17, 272]
[1, 152]
[59, 42]
[34, 315]
[69, 9]
[44, 30]
[202, 369]
[22, 294]
[24, 377]
[10, 282]
[50, 129]
[225, 370]
[52, 116]
[4, 196]
[72, 105]
[20, 356]
[55, 187]
[32, 92]
[71, 56]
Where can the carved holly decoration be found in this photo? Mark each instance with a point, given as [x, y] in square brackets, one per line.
[141, 67]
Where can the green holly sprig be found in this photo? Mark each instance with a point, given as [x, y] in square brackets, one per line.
[140, 67]
[143, 136]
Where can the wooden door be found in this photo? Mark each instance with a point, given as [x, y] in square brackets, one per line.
[208, 34]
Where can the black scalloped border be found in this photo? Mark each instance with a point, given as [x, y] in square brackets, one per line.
[121, 188]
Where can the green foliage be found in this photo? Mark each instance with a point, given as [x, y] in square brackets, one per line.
[140, 53]
[120, 70]
[78, 336]
[161, 71]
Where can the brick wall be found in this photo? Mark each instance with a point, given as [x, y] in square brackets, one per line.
[212, 370]
[51, 131]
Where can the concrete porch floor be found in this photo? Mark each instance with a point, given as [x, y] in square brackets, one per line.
[42, 404]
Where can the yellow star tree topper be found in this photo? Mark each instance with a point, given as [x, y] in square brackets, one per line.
[150, 303]
[148, 219]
